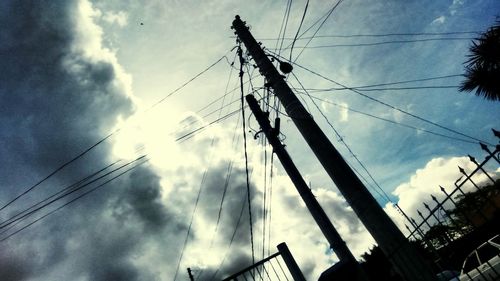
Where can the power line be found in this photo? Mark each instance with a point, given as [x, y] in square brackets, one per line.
[391, 106]
[284, 24]
[71, 201]
[264, 203]
[190, 224]
[199, 192]
[386, 42]
[70, 187]
[26, 213]
[188, 82]
[392, 121]
[58, 169]
[341, 139]
[230, 165]
[242, 61]
[233, 90]
[310, 27]
[271, 173]
[401, 34]
[411, 81]
[224, 191]
[385, 89]
[243, 203]
[235, 142]
[402, 82]
[378, 35]
[18, 219]
[192, 133]
[228, 174]
[298, 29]
[320, 26]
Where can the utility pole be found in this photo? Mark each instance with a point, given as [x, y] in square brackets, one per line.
[332, 236]
[190, 274]
[407, 262]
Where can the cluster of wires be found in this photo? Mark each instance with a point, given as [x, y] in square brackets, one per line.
[24, 218]
[19, 219]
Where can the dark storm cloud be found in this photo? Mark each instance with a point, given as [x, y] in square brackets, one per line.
[234, 200]
[235, 261]
[46, 107]
[141, 201]
[55, 101]
[13, 269]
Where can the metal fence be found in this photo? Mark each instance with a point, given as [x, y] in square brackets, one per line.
[272, 268]
[469, 214]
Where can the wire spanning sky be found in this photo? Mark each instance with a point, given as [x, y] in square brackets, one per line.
[155, 87]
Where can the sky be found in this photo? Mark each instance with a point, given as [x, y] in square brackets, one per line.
[135, 81]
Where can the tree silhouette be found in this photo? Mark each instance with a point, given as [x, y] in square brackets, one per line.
[477, 207]
[482, 69]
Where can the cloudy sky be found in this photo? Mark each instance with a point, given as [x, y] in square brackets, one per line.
[125, 75]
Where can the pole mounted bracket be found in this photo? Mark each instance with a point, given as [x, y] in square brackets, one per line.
[256, 135]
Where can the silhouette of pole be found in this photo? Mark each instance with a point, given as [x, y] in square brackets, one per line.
[332, 236]
[290, 262]
[407, 262]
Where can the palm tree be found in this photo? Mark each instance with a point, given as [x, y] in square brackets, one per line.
[482, 69]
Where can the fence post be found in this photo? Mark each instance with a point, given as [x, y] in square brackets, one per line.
[290, 262]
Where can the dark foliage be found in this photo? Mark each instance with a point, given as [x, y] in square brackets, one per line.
[482, 69]
[378, 267]
[474, 208]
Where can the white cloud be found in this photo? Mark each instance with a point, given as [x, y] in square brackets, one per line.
[344, 112]
[439, 20]
[425, 182]
[457, 4]
[120, 18]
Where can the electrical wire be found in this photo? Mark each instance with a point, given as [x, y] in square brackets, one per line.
[386, 89]
[310, 27]
[269, 220]
[26, 213]
[342, 140]
[190, 223]
[68, 188]
[298, 29]
[264, 199]
[320, 26]
[73, 200]
[242, 61]
[233, 90]
[224, 191]
[386, 42]
[29, 189]
[80, 155]
[391, 106]
[204, 178]
[377, 35]
[194, 132]
[226, 186]
[409, 81]
[392, 121]
[243, 205]
[284, 24]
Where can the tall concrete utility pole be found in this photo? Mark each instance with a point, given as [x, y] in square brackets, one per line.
[407, 262]
[332, 236]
